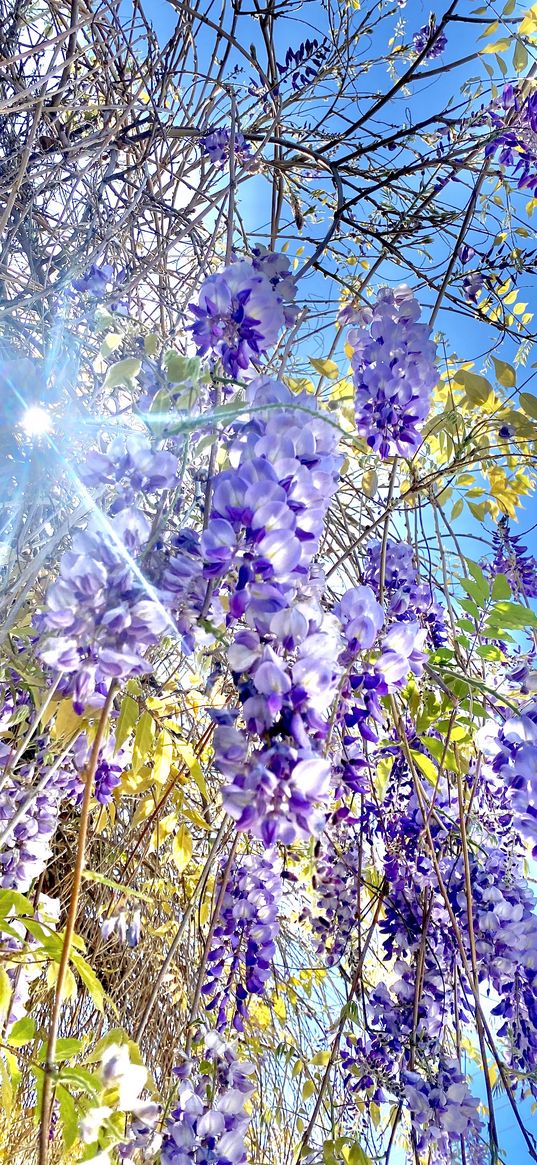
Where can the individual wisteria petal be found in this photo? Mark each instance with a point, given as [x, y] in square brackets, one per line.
[394, 372]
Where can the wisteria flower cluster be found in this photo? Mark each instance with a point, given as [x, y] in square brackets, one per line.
[240, 958]
[513, 117]
[209, 1122]
[102, 614]
[512, 559]
[264, 529]
[512, 751]
[393, 361]
[240, 311]
[424, 36]
[216, 145]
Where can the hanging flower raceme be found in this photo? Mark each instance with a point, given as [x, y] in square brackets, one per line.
[264, 528]
[511, 558]
[394, 371]
[406, 598]
[101, 615]
[240, 958]
[240, 313]
[30, 804]
[513, 117]
[512, 752]
[336, 884]
[209, 1122]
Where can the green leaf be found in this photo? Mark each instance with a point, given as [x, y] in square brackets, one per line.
[356, 1156]
[93, 876]
[325, 367]
[11, 900]
[457, 509]
[78, 1077]
[477, 388]
[488, 652]
[477, 573]
[505, 373]
[151, 344]
[22, 1032]
[122, 372]
[470, 608]
[181, 368]
[520, 57]
[499, 46]
[5, 992]
[68, 1116]
[425, 765]
[308, 1088]
[65, 1048]
[501, 588]
[116, 1035]
[513, 615]
[143, 741]
[163, 757]
[528, 403]
[128, 715]
[112, 341]
[473, 589]
[90, 980]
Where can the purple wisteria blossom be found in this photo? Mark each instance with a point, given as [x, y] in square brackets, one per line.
[407, 599]
[424, 35]
[238, 316]
[512, 752]
[102, 614]
[513, 117]
[336, 883]
[209, 1122]
[216, 145]
[512, 559]
[394, 371]
[240, 958]
[31, 799]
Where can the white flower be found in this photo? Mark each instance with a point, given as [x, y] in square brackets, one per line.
[118, 1072]
[92, 1122]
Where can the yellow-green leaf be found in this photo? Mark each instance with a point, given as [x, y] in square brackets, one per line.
[123, 372]
[528, 402]
[5, 992]
[520, 57]
[505, 373]
[326, 367]
[182, 848]
[499, 46]
[370, 483]
[143, 741]
[163, 758]
[128, 715]
[425, 764]
[477, 388]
